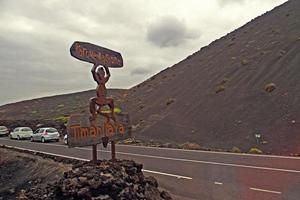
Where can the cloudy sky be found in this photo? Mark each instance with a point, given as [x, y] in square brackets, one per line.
[35, 37]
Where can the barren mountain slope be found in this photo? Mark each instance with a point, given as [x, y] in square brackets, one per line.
[217, 98]
[50, 108]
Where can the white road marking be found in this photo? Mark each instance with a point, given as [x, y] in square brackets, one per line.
[211, 152]
[193, 161]
[211, 163]
[47, 153]
[263, 190]
[218, 183]
[195, 151]
[82, 159]
[167, 174]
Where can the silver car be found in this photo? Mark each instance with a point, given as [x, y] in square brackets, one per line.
[3, 130]
[45, 134]
[21, 133]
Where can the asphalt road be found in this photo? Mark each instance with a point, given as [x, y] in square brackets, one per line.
[200, 175]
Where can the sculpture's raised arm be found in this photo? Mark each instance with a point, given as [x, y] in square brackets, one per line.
[94, 73]
[107, 73]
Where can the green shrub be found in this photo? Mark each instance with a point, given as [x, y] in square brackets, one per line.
[60, 106]
[220, 88]
[225, 80]
[236, 150]
[255, 151]
[106, 109]
[62, 119]
[190, 145]
[170, 101]
[245, 62]
[270, 87]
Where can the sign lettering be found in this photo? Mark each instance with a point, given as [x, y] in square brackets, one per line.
[82, 133]
[95, 54]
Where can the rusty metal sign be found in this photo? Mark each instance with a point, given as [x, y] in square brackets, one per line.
[98, 126]
[82, 132]
[96, 54]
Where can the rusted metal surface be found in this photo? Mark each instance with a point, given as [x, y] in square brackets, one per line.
[96, 54]
[94, 153]
[83, 132]
[98, 127]
[113, 151]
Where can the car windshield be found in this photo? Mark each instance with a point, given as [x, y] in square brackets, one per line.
[51, 130]
[3, 128]
[26, 129]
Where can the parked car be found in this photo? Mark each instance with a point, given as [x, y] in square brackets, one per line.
[3, 130]
[66, 139]
[45, 134]
[21, 133]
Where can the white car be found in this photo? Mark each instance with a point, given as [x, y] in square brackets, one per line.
[3, 130]
[21, 133]
[45, 134]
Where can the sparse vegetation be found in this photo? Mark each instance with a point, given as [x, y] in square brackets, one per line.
[231, 44]
[190, 145]
[106, 109]
[170, 101]
[130, 141]
[245, 62]
[270, 87]
[220, 88]
[255, 151]
[275, 31]
[281, 53]
[60, 106]
[62, 119]
[236, 150]
[225, 80]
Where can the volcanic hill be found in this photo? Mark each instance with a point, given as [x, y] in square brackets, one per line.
[51, 108]
[245, 83]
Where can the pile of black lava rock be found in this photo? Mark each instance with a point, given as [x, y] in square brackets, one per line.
[102, 181]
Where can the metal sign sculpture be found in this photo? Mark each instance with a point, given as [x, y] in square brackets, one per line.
[95, 54]
[83, 132]
[99, 126]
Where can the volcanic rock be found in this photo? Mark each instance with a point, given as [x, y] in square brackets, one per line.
[103, 181]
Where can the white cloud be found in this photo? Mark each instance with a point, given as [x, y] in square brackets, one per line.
[35, 37]
[169, 31]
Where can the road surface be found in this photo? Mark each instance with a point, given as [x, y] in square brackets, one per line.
[197, 175]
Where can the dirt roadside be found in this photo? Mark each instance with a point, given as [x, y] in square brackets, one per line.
[22, 170]
[31, 175]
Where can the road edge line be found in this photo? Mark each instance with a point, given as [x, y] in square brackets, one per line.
[86, 160]
[167, 174]
[264, 190]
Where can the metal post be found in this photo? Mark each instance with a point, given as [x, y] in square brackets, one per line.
[94, 153]
[113, 151]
